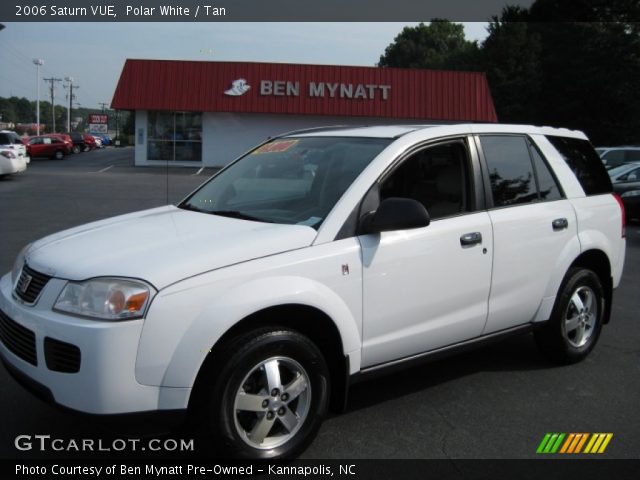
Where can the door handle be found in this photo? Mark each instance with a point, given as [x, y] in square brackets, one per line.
[469, 239]
[560, 224]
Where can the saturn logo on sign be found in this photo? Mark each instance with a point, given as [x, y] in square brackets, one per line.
[238, 87]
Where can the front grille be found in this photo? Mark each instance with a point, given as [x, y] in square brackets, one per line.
[61, 357]
[19, 340]
[30, 284]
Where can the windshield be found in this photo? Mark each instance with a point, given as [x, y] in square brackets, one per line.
[288, 180]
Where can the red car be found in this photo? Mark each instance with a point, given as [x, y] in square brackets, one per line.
[47, 146]
[89, 141]
[64, 137]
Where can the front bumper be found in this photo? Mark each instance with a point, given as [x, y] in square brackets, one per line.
[105, 382]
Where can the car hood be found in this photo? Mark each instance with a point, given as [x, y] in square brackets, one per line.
[162, 245]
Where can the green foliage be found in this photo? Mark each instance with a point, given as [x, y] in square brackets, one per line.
[440, 45]
[21, 110]
[543, 69]
[581, 75]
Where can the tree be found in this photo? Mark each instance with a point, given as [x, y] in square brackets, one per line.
[440, 45]
[576, 74]
[511, 59]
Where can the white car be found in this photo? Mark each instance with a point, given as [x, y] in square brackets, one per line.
[10, 140]
[615, 156]
[320, 257]
[11, 162]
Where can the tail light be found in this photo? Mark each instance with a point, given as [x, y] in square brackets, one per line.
[624, 217]
[8, 154]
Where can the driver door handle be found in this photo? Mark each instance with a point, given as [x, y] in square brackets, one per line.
[469, 239]
[560, 224]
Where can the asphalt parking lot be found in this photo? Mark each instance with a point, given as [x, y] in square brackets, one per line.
[497, 402]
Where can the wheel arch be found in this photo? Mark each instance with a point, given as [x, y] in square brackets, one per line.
[597, 261]
[305, 319]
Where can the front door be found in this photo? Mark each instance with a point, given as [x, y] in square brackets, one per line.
[427, 288]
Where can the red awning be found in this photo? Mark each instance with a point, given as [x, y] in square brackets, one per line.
[245, 87]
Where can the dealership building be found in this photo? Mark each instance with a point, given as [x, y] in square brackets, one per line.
[208, 113]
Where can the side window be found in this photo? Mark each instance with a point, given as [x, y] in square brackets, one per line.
[585, 163]
[633, 175]
[46, 141]
[614, 156]
[510, 170]
[547, 185]
[633, 156]
[437, 177]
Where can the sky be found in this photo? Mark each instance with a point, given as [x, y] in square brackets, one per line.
[93, 54]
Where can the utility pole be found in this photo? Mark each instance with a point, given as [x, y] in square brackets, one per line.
[71, 97]
[38, 62]
[53, 105]
[103, 105]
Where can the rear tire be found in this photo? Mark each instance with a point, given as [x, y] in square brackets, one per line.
[576, 320]
[76, 149]
[268, 397]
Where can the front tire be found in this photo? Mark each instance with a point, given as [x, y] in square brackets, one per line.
[59, 155]
[576, 320]
[269, 397]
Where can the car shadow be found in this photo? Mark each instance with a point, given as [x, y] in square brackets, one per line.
[514, 354]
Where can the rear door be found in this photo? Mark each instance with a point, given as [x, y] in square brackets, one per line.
[534, 227]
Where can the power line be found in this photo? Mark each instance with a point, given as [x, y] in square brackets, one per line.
[71, 97]
[52, 81]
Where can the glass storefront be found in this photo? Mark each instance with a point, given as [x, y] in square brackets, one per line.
[174, 136]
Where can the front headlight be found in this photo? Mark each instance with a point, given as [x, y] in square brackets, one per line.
[631, 193]
[17, 265]
[105, 298]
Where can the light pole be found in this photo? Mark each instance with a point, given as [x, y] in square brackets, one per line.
[38, 62]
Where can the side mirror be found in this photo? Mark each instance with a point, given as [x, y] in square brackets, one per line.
[396, 214]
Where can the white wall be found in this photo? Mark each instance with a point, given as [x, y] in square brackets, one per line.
[226, 136]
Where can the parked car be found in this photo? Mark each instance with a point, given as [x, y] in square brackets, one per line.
[615, 156]
[319, 258]
[79, 144]
[48, 146]
[90, 142]
[11, 162]
[12, 141]
[106, 139]
[64, 137]
[626, 183]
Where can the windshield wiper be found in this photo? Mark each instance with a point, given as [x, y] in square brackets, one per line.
[193, 208]
[238, 214]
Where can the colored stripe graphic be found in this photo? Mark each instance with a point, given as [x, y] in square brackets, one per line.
[573, 443]
[598, 442]
[550, 443]
[543, 443]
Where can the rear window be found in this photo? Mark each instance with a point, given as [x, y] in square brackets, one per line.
[6, 139]
[585, 163]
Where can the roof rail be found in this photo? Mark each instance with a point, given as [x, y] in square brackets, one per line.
[319, 129]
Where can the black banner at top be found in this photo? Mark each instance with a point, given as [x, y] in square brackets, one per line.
[251, 10]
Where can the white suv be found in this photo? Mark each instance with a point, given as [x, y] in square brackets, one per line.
[318, 258]
[11, 141]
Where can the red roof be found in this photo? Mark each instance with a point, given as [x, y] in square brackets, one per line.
[304, 89]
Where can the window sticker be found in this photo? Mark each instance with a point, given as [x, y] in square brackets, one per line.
[273, 147]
